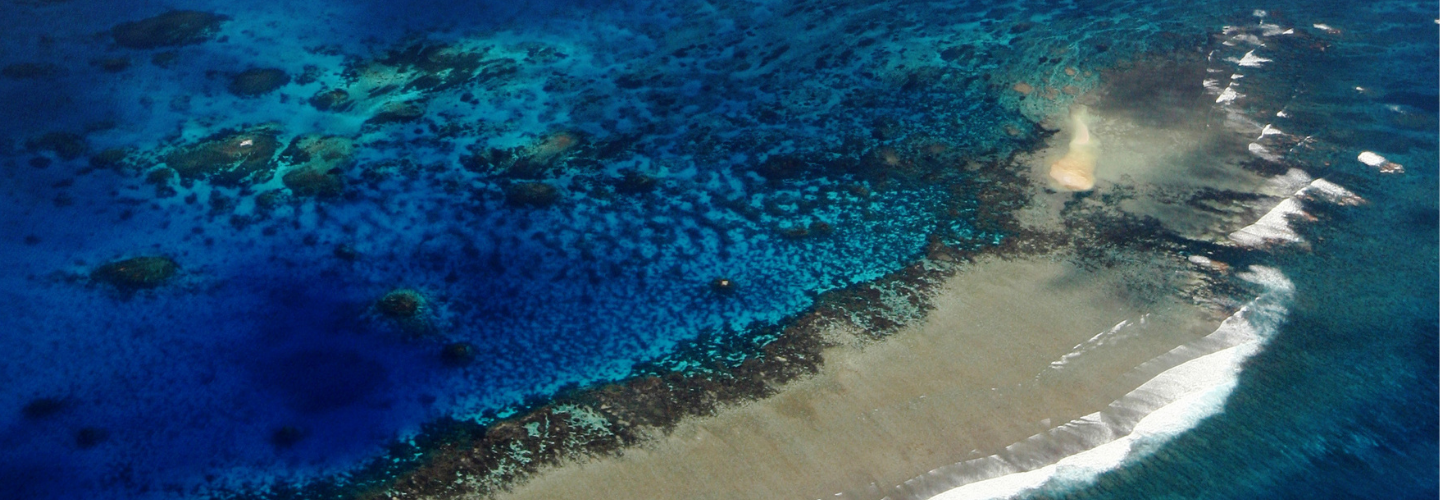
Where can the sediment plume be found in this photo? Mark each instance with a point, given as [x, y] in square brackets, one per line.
[1076, 170]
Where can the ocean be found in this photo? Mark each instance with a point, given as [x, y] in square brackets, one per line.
[871, 249]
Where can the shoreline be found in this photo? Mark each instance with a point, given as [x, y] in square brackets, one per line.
[875, 413]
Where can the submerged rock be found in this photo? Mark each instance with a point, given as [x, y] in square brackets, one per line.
[171, 29]
[723, 286]
[137, 273]
[401, 303]
[258, 81]
[228, 158]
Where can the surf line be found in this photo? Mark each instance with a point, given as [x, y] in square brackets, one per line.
[1193, 382]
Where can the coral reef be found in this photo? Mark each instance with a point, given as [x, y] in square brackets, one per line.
[332, 100]
[136, 273]
[401, 303]
[66, 145]
[531, 194]
[255, 82]
[233, 158]
[398, 112]
[457, 353]
[171, 29]
[315, 165]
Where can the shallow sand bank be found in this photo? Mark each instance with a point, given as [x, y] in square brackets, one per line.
[1012, 348]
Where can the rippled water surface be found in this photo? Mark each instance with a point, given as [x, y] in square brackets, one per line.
[250, 246]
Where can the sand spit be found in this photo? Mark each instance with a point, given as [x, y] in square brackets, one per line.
[1010, 350]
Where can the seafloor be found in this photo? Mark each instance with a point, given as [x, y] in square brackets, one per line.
[424, 250]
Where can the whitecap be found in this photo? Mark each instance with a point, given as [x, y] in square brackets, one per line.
[1228, 95]
[1251, 60]
[1200, 377]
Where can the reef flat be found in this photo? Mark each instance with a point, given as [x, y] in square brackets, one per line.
[365, 251]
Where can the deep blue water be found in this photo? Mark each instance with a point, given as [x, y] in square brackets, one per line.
[267, 327]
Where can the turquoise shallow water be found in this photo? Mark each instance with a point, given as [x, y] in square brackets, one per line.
[792, 148]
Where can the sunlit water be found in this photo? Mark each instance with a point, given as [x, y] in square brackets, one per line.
[788, 148]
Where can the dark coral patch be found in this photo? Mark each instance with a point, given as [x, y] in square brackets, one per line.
[112, 64]
[401, 303]
[228, 158]
[31, 71]
[286, 436]
[90, 437]
[171, 29]
[314, 182]
[457, 354]
[66, 145]
[398, 112]
[331, 100]
[137, 273]
[258, 81]
[632, 182]
[109, 158]
[316, 165]
[43, 407]
[531, 194]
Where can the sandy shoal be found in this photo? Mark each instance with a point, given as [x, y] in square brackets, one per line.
[973, 377]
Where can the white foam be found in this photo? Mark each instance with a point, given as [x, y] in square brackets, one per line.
[1274, 29]
[1167, 405]
[1377, 161]
[1332, 193]
[1371, 159]
[1100, 339]
[1262, 152]
[1245, 37]
[1274, 227]
[1288, 183]
[1250, 60]
[1228, 95]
